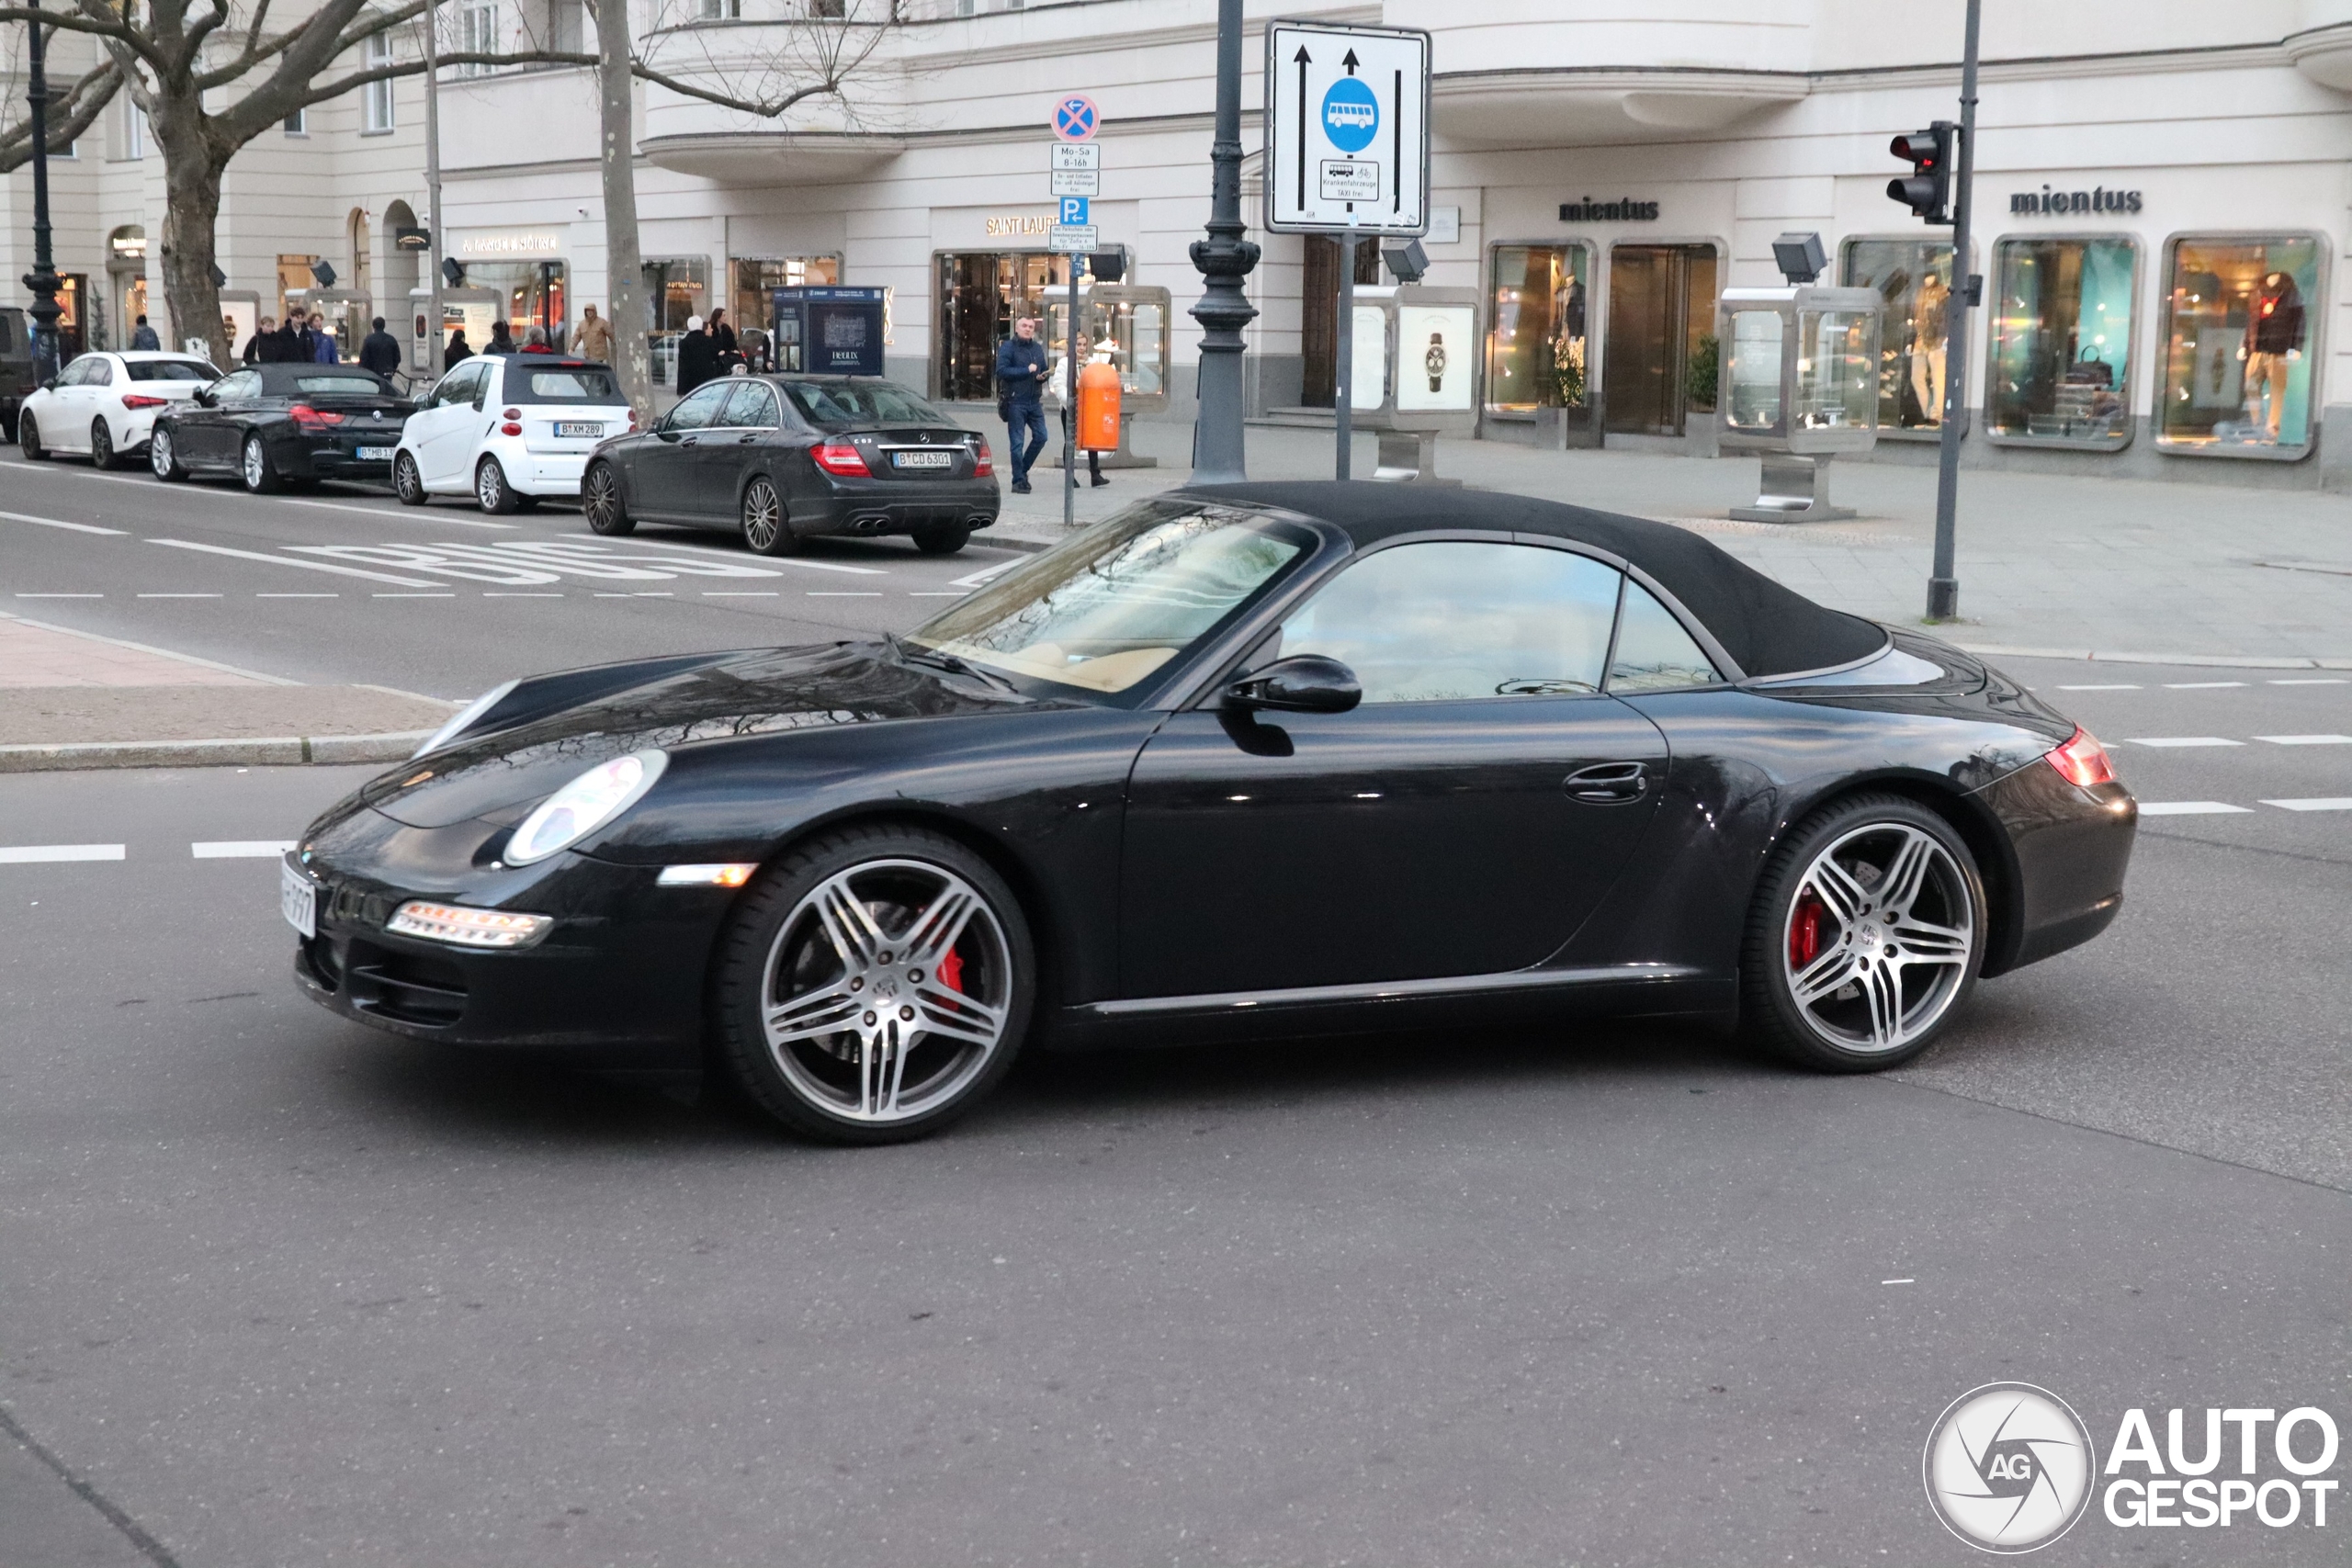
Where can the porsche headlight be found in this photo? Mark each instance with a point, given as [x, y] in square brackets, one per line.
[584, 804]
[465, 718]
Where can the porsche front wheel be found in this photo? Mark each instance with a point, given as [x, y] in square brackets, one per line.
[873, 985]
[1866, 936]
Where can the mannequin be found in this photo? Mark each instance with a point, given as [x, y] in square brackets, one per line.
[2274, 339]
[1928, 346]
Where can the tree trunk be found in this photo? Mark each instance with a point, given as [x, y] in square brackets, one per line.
[193, 183]
[623, 273]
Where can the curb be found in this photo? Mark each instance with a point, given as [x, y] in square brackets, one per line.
[268, 751]
[2200, 661]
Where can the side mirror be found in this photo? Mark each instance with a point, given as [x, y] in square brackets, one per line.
[204, 397]
[49, 385]
[1307, 682]
[665, 432]
[424, 400]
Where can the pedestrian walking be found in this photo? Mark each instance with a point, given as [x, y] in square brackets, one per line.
[502, 337]
[380, 351]
[143, 337]
[325, 350]
[536, 341]
[722, 335]
[257, 350]
[697, 356]
[596, 339]
[459, 348]
[286, 345]
[1020, 396]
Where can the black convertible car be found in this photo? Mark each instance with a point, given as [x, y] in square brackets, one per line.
[1265, 758]
[274, 425]
[780, 459]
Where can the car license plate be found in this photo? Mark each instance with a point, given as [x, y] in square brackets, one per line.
[578, 429]
[297, 899]
[375, 453]
[922, 459]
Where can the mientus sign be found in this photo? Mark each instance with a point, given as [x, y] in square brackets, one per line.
[2047, 202]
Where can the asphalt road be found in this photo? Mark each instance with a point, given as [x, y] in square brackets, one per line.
[274, 1290]
[344, 584]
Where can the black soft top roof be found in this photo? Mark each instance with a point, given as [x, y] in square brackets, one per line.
[1766, 628]
[282, 375]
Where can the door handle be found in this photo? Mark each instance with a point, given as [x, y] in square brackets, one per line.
[1609, 784]
[688, 440]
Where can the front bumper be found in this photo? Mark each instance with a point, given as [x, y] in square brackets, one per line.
[617, 981]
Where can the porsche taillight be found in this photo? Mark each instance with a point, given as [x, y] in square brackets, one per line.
[2082, 761]
[841, 458]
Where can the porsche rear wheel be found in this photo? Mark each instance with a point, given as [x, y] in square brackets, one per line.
[1866, 937]
[163, 455]
[600, 498]
[873, 985]
[766, 529]
[254, 469]
[407, 482]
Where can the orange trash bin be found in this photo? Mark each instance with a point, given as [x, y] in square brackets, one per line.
[1098, 408]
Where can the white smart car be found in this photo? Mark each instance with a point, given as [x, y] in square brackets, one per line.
[104, 404]
[509, 429]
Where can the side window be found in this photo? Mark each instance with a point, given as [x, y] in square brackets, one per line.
[753, 407]
[1653, 650]
[478, 390]
[100, 374]
[698, 410]
[75, 374]
[237, 387]
[1446, 621]
[457, 387]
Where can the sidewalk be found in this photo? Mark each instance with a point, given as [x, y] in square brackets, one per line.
[2077, 566]
[72, 699]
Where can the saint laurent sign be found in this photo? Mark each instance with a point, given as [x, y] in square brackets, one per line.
[2099, 199]
[1624, 210]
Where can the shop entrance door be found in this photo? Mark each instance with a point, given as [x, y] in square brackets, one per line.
[1319, 320]
[981, 293]
[1661, 321]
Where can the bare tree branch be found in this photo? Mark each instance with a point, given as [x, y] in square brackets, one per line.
[75, 112]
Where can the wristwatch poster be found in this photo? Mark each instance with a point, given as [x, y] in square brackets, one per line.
[1434, 361]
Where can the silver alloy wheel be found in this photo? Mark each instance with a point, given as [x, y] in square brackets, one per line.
[600, 498]
[407, 483]
[762, 516]
[256, 464]
[159, 454]
[887, 991]
[1879, 938]
[101, 444]
[490, 484]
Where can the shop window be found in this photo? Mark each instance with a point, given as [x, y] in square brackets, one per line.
[1914, 276]
[752, 285]
[2062, 340]
[2240, 312]
[1535, 350]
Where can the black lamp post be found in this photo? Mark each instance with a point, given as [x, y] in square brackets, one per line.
[43, 279]
[1224, 258]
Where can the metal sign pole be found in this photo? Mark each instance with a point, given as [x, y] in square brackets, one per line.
[1343, 400]
[437, 331]
[1943, 583]
[1069, 406]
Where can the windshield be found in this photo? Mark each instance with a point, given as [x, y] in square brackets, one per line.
[344, 386]
[170, 370]
[1105, 610]
[562, 384]
[834, 405]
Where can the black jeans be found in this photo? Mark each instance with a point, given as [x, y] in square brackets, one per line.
[1029, 416]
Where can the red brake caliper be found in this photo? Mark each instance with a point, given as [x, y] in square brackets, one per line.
[1804, 930]
[951, 971]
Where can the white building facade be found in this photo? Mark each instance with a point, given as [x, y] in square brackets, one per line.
[2163, 198]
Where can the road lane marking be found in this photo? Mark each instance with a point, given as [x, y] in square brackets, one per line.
[2098, 688]
[949, 593]
[60, 595]
[2307, 739]
[974, 579]
[59, 523]
[150, 647]
[2199, 686]
[298, 595]
[739, 593]
[1913, 1281]
[406, 515]
[30, 854]
[521, 595]
[2315, 803]
[840, 593]
[428, 595]
[239, 849]
[2177, 742]
[2309, 681]
[2191, 808]
[290, 560]
[179, 596]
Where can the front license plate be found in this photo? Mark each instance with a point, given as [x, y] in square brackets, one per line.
[922, 459]
[297, 899]
[578, 430]
[375, 453]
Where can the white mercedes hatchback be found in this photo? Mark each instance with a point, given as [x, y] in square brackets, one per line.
[104, 404]
[509, 429]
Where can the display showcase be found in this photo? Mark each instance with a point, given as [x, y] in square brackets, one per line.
[2240, 312]
[1914, 278]
[2062, 340]
[1535, 355]
[1799, 384]
[1127, 326]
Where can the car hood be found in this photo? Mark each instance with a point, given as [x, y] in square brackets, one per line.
[726, 698]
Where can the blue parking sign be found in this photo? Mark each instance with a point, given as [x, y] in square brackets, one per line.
[1074, 211]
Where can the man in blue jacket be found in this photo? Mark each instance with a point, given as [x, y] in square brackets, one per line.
[1020, 396]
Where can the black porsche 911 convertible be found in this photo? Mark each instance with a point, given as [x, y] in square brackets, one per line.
[1259, 758]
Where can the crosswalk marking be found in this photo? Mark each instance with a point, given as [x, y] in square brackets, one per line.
[2192, 808]
[31, 854]
[2180, 740]
[239, 849]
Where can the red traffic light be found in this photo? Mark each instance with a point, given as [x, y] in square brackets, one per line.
[1928, 191]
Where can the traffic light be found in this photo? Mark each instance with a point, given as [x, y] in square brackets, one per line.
[1928, 191]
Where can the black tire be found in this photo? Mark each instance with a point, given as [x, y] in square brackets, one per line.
[492, 492]
[254, 467]
[945, 539]
[408, 481]
[832, 1085]
[1856, 958]
[767, 529]
[102, 453]
[28, 437]
[601, 502]
[163, 454]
